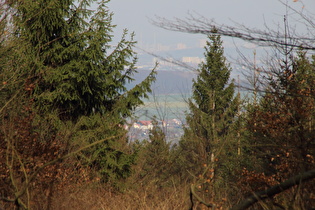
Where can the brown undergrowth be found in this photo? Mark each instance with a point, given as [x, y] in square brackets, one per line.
[100, 196]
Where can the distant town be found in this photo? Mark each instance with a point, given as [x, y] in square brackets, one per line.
[189, 55]
[173, 130]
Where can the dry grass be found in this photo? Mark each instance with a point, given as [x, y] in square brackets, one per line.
[104, 198]
[98, 196]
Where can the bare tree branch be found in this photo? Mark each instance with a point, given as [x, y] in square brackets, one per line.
[170, 60]
[198, 24]
[194, 194]
[262, 195]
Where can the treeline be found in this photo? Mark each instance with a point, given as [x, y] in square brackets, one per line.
[64, 104]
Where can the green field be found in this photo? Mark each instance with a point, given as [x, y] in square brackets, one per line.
[168, 106]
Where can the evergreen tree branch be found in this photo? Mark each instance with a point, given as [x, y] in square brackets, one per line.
[9, 101]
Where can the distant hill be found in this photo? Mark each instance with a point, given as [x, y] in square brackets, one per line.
[168, 82]
[177, 81]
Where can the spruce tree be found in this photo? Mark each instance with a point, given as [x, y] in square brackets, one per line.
[154, 157]
[73, 66]
[59, 58]
[158, 151]
[282, 125]
[281, 128]
[212, 111]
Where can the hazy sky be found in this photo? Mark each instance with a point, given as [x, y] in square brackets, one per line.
[135, 14]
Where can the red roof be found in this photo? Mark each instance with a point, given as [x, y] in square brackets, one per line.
[145, 122]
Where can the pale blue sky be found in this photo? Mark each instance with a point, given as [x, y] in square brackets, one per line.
[134, 15]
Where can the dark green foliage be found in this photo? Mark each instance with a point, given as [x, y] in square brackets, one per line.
[213, 108]
[60, 56]
[154, 158]
[71, 61]
[112, 158]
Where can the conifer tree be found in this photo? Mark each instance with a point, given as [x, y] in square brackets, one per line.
[57, 57]
[282, 126]
[72, 65]
[155, 157]
[212, 111]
